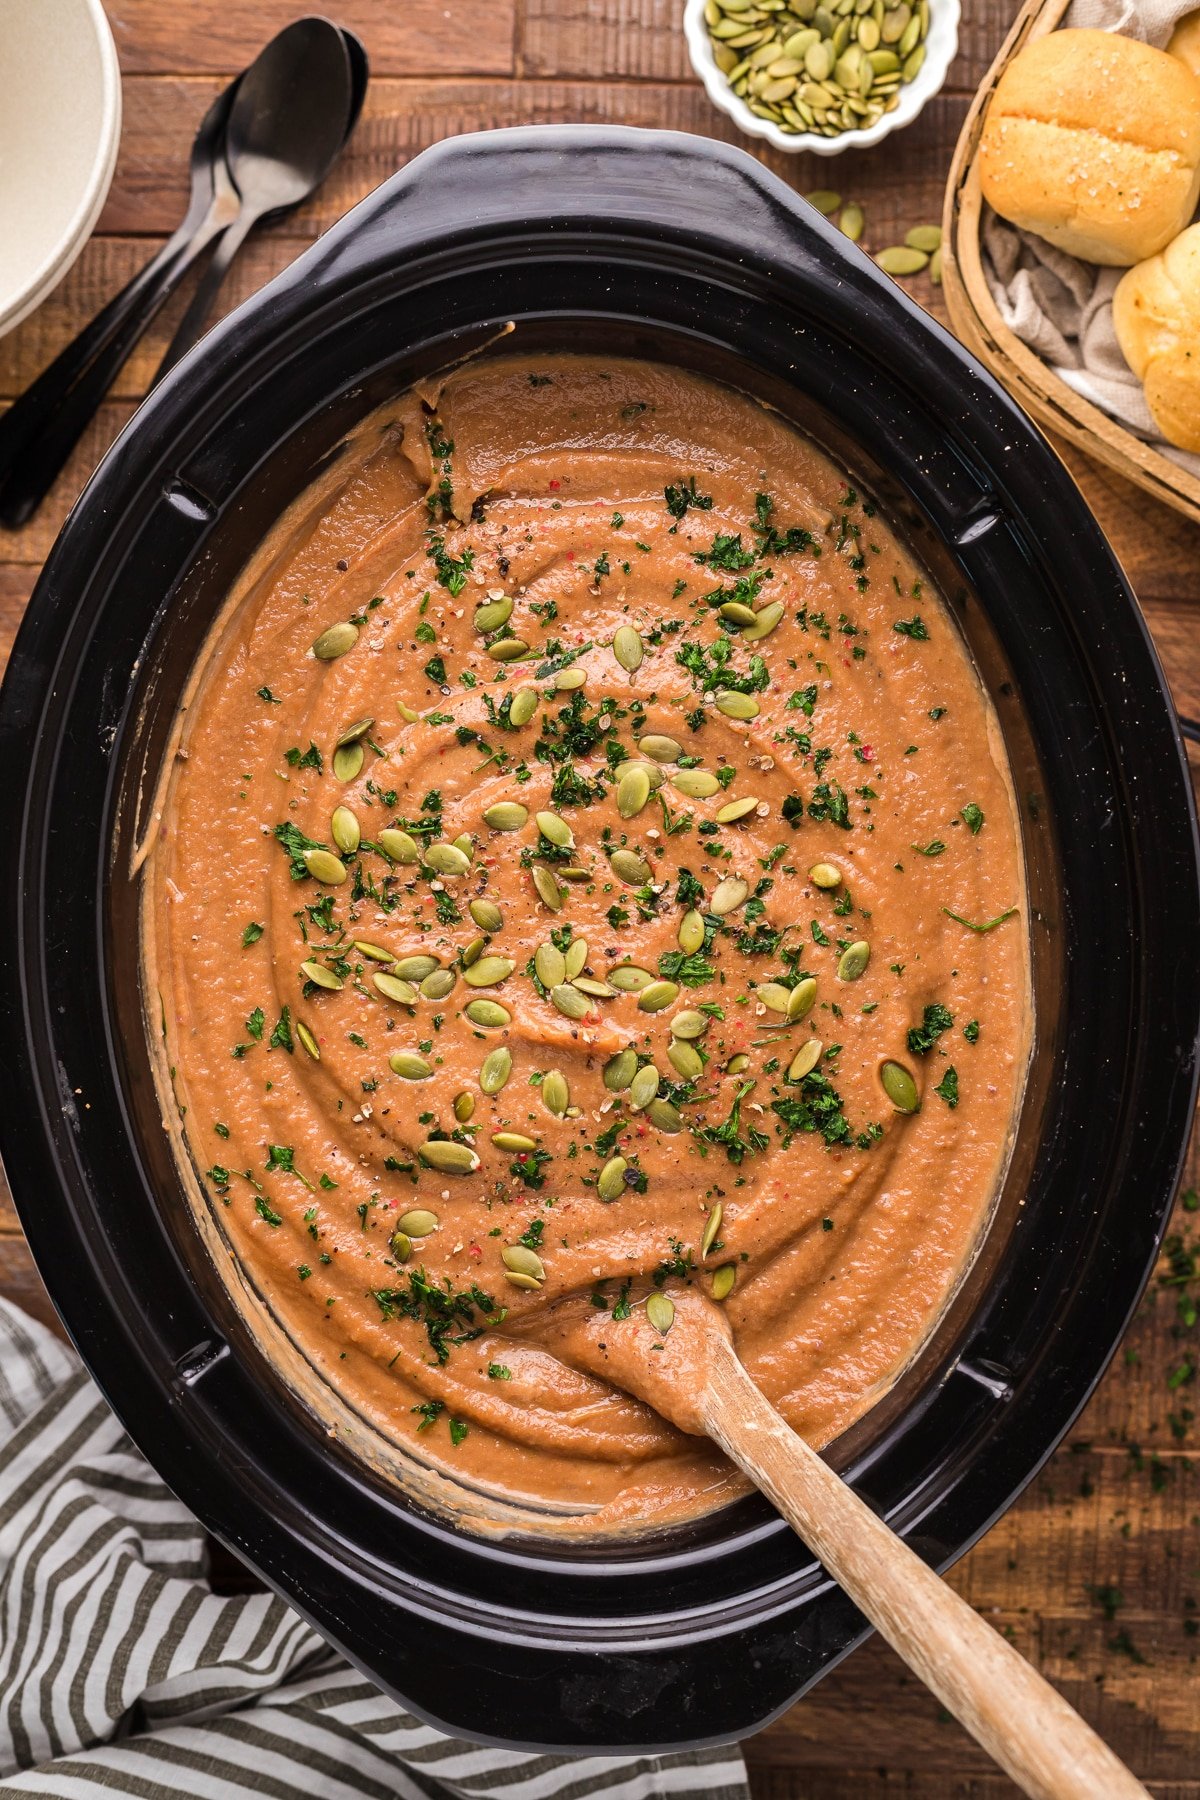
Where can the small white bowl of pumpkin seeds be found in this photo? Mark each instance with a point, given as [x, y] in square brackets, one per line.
[821, 75]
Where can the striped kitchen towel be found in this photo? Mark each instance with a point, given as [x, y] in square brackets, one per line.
[122, 1673]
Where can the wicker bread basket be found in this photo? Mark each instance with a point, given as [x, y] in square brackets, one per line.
[978, 324]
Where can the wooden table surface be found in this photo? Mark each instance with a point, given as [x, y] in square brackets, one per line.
[1095, 1573]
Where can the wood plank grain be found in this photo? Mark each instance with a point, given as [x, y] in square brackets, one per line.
[401, 117]
[642, 40]
[404, 38]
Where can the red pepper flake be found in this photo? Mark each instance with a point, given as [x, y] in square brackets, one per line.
[475, 1251]
[868, 754]
[554, 482]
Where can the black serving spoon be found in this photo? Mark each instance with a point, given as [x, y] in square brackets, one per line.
[293, 113]
[40, 429]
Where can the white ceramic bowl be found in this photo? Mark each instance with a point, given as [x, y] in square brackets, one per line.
[60, 124]
[941, 43]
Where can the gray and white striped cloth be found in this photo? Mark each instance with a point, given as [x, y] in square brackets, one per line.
[122, 1673]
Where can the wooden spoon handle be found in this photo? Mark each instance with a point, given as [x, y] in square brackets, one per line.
[1004, 1703]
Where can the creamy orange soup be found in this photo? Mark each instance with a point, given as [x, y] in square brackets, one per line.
[590, 865]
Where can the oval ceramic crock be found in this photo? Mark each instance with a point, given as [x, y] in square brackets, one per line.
[673, 247]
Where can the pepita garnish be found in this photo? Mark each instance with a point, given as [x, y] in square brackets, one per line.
[447, 859]
[345, 831]
[691, 931]
[643, 1087]
[548, 891]
[852, 963]
[805, 1060]
[520, 1260]
[335, 641]
[524, 705]
[695, 784]
[685, 1059]
[322, 977]
[398, 846]
[658, 995]
[489, 1014]
[418, 1223]
[551, 965]
[735, 705]
[620, 1070]
[324, 867]
[392, 988]
[733, 810]
[633, 791]
[576, 958]
[347, 761]
[495, 1070]
[493, 614]
[802, 999]
[409, 1066]
[825, 875]
[610, 1183]
[900, 1086]
[464, 1106]
[439, 985]
[628, 648]
[513, 1142]
[728, 895]
[448, 1156]
[664, 1115]
[660, 1311]
[628, 978]
[712, 1227]
[660, 749]
[486, 914]
[570, 1002]
[556, 1095]
[689, 1024]
[307, 1041]
[415, 968]
[508, 650]
[555, 830]
[506, 815]
[633, 869]
[489, 971]
[723, 1281]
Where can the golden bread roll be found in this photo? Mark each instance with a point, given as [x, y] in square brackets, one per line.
[1156, 313]
[1185, 41]
[1092, 141]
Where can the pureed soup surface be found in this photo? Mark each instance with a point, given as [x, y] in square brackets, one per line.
[588, 845]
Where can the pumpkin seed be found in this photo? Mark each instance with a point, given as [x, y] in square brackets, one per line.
[735, 613]
[344, 830]
[935, 267]
[418, 1223]
[610, 1184]
[347, 761]
[488, 1013]
[632, 869]
[415, 968]
[409, 1066]
[524, 705]
[506, 650]
[495, 1070]
[398, 846]
[825, 875]
[308, 1041]
[439, 985]
[556, 1095]
[765, 621]
[401, 1246]
[473, 951]
[913, 63]
[548, 890]
[587, 984]
[353, 732]
[660, 1311]
[658, 995]
[633, 791]
[728, 895]
[801, 999]
[620, 1070]
[448, 1156]
[392, 988]
[506, 815]
[774, 995]
[627, 647]
[898, 259]
[735, 705]
[489, 971]
[464, 1107]
[567, 680]
[555, 830]
[689, 1024]
[737, 1064]
[466, 843]
[691, 932]
[486, 914]
[695, 784]
[824, 199]
[493, 614]
[664, 1116]
[324, 867]
[685, 1059]
[653, 773]
[723, 1281]
[322, 977]
[576, 958]
[924, 237]
[852, 963]
[900, 1087]
[660, 749]
[513, 1141]
[518, 1279]
[335, 641]
[447, 859]
[805, 1060]
[551, 965]
[523, 1261]
[643, 1087]
[712, 1226]
[733, 810]
[568, 1000]
[407, 713]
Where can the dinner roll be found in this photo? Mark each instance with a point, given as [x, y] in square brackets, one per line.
[1185, 41]
[1156, 312]
[1092, 141]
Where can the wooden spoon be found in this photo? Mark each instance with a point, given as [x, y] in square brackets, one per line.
[692, 1376]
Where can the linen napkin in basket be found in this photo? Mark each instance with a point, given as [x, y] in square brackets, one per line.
[1062, 307]
[122, 1673]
